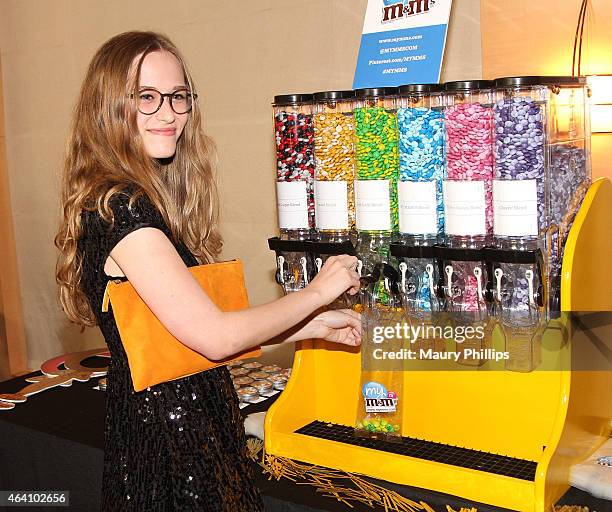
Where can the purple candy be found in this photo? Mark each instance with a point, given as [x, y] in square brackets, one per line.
[520, 144]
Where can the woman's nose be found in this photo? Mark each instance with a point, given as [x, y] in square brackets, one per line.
[165, 113]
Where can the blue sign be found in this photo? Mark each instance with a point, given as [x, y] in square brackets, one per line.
[402, 42]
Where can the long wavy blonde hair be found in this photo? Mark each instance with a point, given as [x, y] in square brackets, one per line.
[105, 154]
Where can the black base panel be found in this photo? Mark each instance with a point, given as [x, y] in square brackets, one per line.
[427, 450]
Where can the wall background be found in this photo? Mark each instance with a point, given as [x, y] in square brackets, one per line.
[240, 53]
[523, 37]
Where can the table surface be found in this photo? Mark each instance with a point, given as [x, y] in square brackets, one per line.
[68, 422]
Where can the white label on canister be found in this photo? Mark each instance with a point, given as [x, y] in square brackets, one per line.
[515, 208]
[417, 207]
[292, 200]
[331, 205]
[372, 205]
[464, 207]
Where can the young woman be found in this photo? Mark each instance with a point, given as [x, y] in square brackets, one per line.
[140, 203]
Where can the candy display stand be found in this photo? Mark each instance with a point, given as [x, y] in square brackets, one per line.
[498, 437]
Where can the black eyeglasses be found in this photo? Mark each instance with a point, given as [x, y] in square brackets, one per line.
[150, 100]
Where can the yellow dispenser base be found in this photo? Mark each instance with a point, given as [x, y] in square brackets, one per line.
[548, 419]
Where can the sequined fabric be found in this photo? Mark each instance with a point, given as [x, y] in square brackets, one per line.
[175, 446]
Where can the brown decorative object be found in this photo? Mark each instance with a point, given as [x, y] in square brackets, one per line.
[54, 376]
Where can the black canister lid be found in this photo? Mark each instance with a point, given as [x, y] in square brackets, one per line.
[420, 88]
[333, 95]
[290, 99]
[374, 92]
[517, 81]
[467, 85]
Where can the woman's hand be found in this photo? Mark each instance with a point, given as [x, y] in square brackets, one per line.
[340, 326]
[337, 275]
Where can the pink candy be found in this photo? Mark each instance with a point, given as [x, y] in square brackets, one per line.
[469, 150]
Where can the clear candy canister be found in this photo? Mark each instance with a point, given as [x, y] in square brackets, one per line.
[377, 159]
[334, 151]
[468, 118]
[568, 172]
[420, 121]
[295, 165]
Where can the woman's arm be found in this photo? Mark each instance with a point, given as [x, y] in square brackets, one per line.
[152, 265]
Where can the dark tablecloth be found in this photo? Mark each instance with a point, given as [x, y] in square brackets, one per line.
[54, 442]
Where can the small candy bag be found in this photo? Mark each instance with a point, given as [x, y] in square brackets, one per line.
[378, 412]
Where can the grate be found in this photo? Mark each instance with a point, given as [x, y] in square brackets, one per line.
[427, 450]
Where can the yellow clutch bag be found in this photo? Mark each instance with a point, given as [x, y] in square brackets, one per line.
[154, 355]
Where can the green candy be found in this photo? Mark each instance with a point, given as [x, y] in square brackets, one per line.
[376, 149]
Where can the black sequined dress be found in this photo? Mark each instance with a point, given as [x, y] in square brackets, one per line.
[176, 446]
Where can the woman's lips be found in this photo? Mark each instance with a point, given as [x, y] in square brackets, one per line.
[168, 132]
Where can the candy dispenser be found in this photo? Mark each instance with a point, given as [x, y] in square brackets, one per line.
[376, 158]
[542, 135]
[294, 137]
[514, 434]
[568, 171]
[518, 271]
[420, 208]
[334, 153]
[420, 124]
[468, 212]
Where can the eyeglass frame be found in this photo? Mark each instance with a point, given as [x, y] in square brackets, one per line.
[163, 96]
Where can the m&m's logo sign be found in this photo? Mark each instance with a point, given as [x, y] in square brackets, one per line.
[393, 10]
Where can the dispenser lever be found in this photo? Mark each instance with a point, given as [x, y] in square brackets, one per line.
[529, 277]
[478, 275]
[429, 270]
[449, 274]
[281, 269]
[403, 269]
[318, 264]
[499, 273]
[304, 269]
